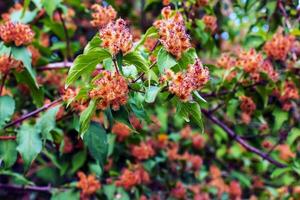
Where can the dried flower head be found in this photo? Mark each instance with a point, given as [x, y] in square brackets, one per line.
[142, 151]
[19, 34]
[88, 185]
[279, 46]
[210, 22]
[7, 63]
[102, 15]
[182, 84]
[116, 37]
[172, 32]
[110, 89]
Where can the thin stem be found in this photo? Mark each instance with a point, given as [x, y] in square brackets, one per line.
[46, 189]
[116, 65]
[142, 74]
[241, 141]
[33, 113]
[3, 83]
[66, 35]
[55, 66]
[7, 137]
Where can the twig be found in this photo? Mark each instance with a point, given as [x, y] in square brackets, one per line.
[7, 137]
[46, 189]
[66, 35]
[241, 141]
[116, 65]
[142, 74]
[55, 66]
[33, 113]
[3, 82]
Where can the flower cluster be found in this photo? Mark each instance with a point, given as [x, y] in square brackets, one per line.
[7, 63]
[279, 46]
[142, 151]
[183, 83]
[102, 15]
[290, 92]
[248, 107]
[116, 37]
[172, 32]
[121, 130]
[88, 185]
[132, 177]
[110, 89]
[18, 33]
[210, 22]
[250, 60]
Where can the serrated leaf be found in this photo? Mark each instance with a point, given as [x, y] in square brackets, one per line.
[46, 123]
[165, 60]
[151, 93]
[29, 144]
[96, 141]
[136, 59]
[85, 117]
[86, 63]
[7, 108]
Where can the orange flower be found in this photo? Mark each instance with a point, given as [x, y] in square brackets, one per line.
[111, 89]
[285, 152]
[88, 185]
[198, 141]
[68, 145]
[102, 15]
[142, 151]
[7, 63]
[279, 46]
[172, 32]
[202, 2]
[226, 61]
[210, 22]
[18, 33]
[121, 130]
[235, 190]
[179, 192]
[247, 106]
[116, 37]
[250, 61]
[267, 68]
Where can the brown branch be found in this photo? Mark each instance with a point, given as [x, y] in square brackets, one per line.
[240, 140]
[3, 83]
[33, 113]
[55, 66]
[7, 137]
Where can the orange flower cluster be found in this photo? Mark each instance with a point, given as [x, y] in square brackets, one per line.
[172, 32]
[247, 106]
[226, 61]
[102, 15]
[121, 130]
[16, 7]
[142, 151]
[130, 178]
[165, 2]
[182, 84]
[111, 89]
[202, 2]
[116, 37]
[179, 192]
[18, 33]
[7, 63]
[279, 46]
[285, 152]
[217, 180]
[194, 162]
[88, 185]
[250, 60]
[290, 92]
[77, 105]
[268, 69]
[210, 22]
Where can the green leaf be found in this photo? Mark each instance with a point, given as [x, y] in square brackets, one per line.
[86, 63]
[280, 171]
[29, 144]
[96, 141]
[187, 58]
[280, 117]
[85, 117]
[50, 6]
[293, 136]
[78, 161]
[165, 60]
[94, 43]
[18, 178]
[46, 123]
[190, 110]
[7, 108]
[151, 32]
[25, 18]
[8, 153]
[243, 179]
[136, 59]
[151, 93]
[65, 195]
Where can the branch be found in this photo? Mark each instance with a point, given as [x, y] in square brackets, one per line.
[241, 141]
[55, 66]
[7, 137]
[33, 113]
[46, 189]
